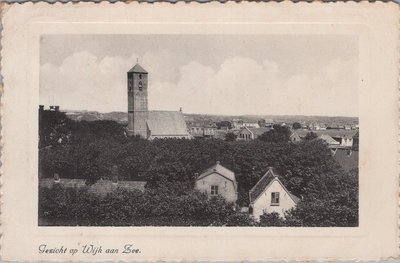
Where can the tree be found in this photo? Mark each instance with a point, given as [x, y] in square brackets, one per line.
[296, 126]
[230, 137]
[311, 136]
[224, 124]
[278, 134]
[271, 219]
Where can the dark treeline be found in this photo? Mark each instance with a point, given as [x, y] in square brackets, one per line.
[91, 150]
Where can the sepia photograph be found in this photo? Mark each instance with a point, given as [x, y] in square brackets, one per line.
[234, 130]
[215, 132]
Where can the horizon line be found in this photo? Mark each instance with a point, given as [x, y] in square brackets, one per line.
[219, 114]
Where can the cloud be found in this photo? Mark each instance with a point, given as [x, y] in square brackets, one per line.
[85, 82]
[240, 85]
[244, 86]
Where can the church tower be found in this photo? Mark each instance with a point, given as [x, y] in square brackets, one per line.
[137, 101]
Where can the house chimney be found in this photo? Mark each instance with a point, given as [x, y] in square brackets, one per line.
[180, 109]
[196, 175]
[56, 178]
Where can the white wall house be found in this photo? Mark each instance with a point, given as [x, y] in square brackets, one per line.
[248, 134]
[218, 180]
[270, 195]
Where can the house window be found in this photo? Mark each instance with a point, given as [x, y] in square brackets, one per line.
[214, 190]
[275, 198]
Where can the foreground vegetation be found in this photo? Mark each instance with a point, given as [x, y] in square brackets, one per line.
[90, 150]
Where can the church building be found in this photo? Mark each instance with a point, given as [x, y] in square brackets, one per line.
[150, 124]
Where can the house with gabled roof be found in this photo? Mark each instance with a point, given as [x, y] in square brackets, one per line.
[332, 143]
[270, 195]
[248, 134]
[294, 137]
[218, 180]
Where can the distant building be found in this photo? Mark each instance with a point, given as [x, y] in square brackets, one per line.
[101, 187]
[248, 134]
[237, 123]
[50, 108]
[266, 123]
[202, 129]
[342, 136]
[270, 195]
[317, 126]
[218, 180]
[150, 124]
[251, 125]
[332, 143]
[336, 127]
[294, 137]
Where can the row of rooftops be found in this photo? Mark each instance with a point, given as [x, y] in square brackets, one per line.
[268, 123]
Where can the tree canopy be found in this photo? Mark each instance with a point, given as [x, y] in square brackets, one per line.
[100, 149]
[278, 134]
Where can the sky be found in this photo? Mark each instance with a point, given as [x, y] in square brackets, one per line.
[205, 74]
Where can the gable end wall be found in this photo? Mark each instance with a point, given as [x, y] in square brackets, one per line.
[263, 203]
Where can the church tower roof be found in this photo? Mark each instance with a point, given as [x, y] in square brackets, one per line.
[138, 69]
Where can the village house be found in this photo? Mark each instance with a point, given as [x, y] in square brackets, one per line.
[237, 123]
[332, 143]
[203, 129]
[342, 136]
[251, 125]
[294, 137]
[218, 180]
[248, 134]
[268, 123]
[317, 126]
[270, 195]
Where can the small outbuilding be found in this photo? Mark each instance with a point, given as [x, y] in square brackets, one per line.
[218, 180]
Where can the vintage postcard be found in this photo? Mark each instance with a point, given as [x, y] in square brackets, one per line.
[215, 132]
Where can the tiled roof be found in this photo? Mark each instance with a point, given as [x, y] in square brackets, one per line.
[328, 139]
[260, 186]
[348, 159]
[218, 168]
[258, 131]
[164, 123]
[269, 121]
[330, 132]
[137, 69]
